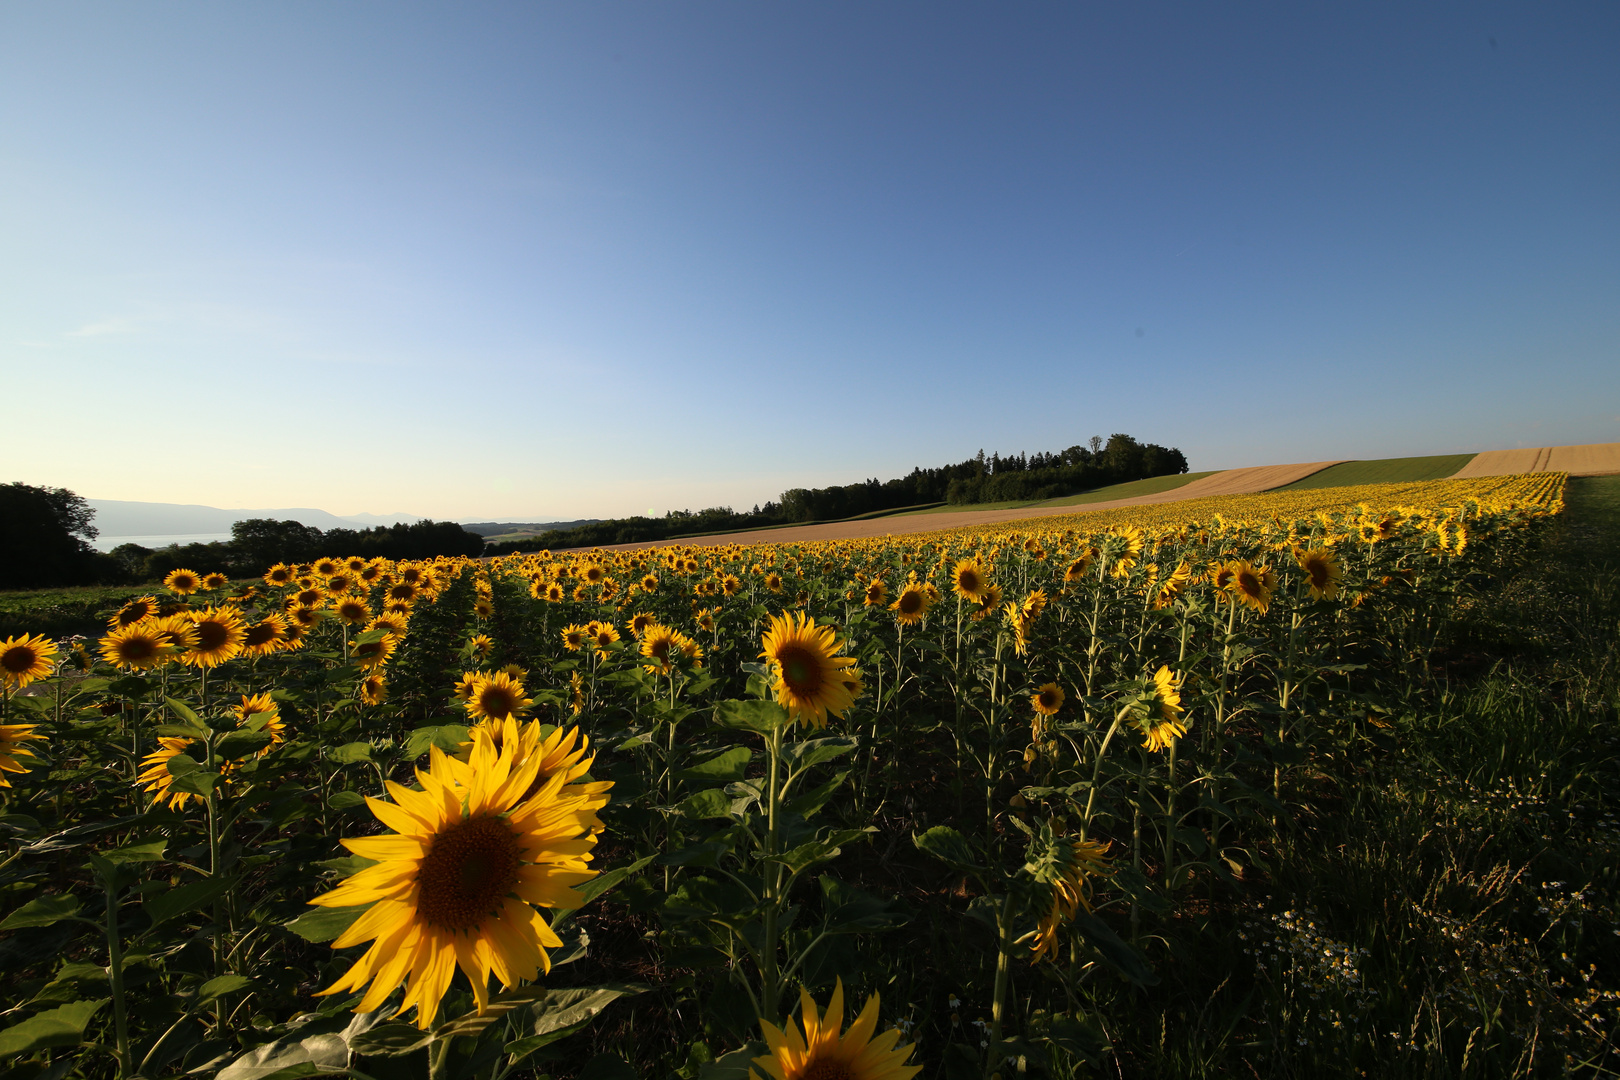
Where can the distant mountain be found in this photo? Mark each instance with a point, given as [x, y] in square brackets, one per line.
[115, 517]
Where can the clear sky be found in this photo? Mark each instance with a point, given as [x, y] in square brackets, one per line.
[541, 260]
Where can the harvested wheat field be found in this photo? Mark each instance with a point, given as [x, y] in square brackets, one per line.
[1229, 482]
[1592, 459]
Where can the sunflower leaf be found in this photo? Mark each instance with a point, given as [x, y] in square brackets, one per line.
[324, 924]
[729, 764]
[802, 755]
[239, 744]
[761, 716]
[185, 898]
[606, 882]
[42, 912]
[62, 1026]
[735, 1065]
[710, 803]
[948, 846]
[187, 717]
[1120, 956]
[349, 753]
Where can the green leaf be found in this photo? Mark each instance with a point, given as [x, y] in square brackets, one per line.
[559, 1013]
[710, 803]
[802, 755]
[761, 716]
[222, 985]
[321, 1045]
[346, 800]
[603, 883]
[42, 912]
[1124, 959]
[370, 637]
[947, 845]
[735, 1065]
[729, 764]
[146, 851]
[814, 799]
[197, 781]
[324, 924]
[185, 898]
[389, 1040]
[239, 744]
[447, 737]
[181, 731]
[187, 717]
[349, 753]
[61, 1026]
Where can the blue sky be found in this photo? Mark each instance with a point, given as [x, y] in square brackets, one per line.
[526, 261]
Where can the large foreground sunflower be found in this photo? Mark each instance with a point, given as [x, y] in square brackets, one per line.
[12, 736]
[822, 1052]
[137, 647]
[24, 659]
[220, 636]
[453, 885]
[968, 580]
[809, 673]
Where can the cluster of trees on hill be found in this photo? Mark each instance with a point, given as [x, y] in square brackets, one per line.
[45, 534]
[978, 479]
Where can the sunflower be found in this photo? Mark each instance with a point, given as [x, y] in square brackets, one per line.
[482, 608]
[265, 637]
[371, 573]
[809, 673]
[1065, 867]
[1322, 571]
[639, 622]
[351, 610]
[339, 584]
[911, 606]
[403, 591]
[24, 659]
[660, 644]
[603, 634]
[1048, 699]
[220, 636]
[137, 647]
[392, 621]
[1162, 725]
[1220, 576]
[373, 690]
[354, 564]
[279, 575]
[142, 607]
[1021, 625]
[496, 697]
[1034, 604]
[592, 574]
[1252, 585]
[705, 620]
[649, 583]
[554, 593]
[821, 1052]
[454, 883]
[1172, 586]
[12, 736]
[773, 582]
[273, 725]
[482, 644]
[1122, 546]
[968, 580]
[311, 597]
[182, 582]
[156, 777]
[1076, 570]
[574, 637]
[213, 581]
[987, 606]
[374, 654]
[731, 585]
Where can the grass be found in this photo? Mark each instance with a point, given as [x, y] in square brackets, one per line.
[1382, 471]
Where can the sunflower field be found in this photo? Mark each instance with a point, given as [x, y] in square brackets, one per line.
[655, 812]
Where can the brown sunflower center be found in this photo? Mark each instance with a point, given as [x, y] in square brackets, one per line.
[18, 659]
[259, 634]
[911, 603]
[1318, 571]
[826, 1069]
[466, 872]
[801, 669]
[136, 649]
[1049, 700]
[211, 635]
[968, 581]
[497, 701]
[1249, 583]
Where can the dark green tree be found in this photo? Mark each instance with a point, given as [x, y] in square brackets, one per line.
[44, 538]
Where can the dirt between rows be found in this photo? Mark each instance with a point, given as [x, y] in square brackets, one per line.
[1230, 482]
[1592, 459]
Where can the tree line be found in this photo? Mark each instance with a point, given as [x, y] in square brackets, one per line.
[45, 536]
[978, 479]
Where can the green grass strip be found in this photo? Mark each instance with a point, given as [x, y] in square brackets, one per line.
[1382, 471]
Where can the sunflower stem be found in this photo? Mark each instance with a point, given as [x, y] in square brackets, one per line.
[998, 1003]
[769, 991]
[115, 975]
